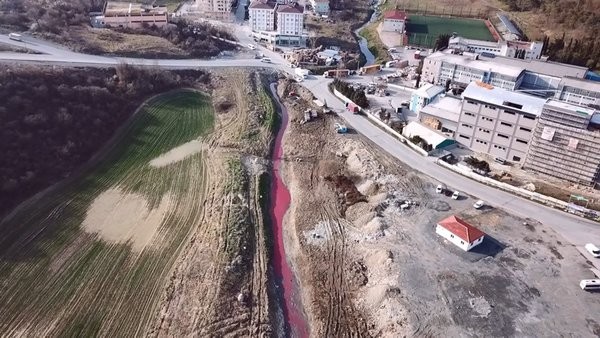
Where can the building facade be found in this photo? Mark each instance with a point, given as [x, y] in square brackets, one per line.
[215, 9]
[498, 122]
[290, 19]
[262, 15]
[394, 21]
[320, 7]
[566, 143]
[131, 15]
[512, 49]
[423, 96]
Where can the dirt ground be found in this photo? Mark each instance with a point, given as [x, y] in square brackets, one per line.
[344, 18]
[371, 269]
[219, 285]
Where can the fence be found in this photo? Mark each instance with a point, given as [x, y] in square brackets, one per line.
[451, 11]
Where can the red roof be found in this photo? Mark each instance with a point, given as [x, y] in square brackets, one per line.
[395, 15]
[290, 8]
[262, 4]
[461, 229]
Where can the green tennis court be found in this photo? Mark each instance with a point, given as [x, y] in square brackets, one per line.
[422, 30]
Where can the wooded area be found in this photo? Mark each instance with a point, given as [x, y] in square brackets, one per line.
[54, 120]
[582, 16]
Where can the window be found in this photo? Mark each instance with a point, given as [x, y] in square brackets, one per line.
[471, 102]
[451, 236]
[467, 126]
[529, 117]
[487, 119]
[479, 141]
[502, 135]
[464, 136]
[469, 114]
[516, 158]
[525, 129]
[506, 124]
[490, 107]
[514, 105]
[509, 112]
[521, 141]
[499, 147]
[484, 130]
[461, 242]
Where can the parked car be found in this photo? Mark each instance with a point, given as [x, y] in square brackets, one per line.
[479, 204]
[592, 249]
[266, 60]
[251, 46]
[439, 189]
[456, 195]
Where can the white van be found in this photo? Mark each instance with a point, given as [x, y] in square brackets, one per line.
[590, 284]
[591, 248]
[266, 60]
[15, 36]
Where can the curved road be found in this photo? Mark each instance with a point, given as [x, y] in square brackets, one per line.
[576, 230]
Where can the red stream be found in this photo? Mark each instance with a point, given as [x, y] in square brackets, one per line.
[284, 276]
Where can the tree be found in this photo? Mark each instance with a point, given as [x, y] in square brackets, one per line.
[442, 42]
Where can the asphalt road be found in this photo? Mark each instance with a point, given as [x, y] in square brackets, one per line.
[576, 230]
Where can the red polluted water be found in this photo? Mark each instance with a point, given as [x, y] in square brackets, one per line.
[294, 320]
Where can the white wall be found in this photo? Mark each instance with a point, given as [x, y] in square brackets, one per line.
[392, 25]
[466, 246]
[290, 23]
[262, 19]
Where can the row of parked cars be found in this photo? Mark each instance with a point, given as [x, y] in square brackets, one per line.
[441, 189]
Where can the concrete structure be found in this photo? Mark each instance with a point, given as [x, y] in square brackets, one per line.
[530, 50]
[537, 77]
[442, 114]
[566, 143]
[394, 21]
[132, 15]
[510, 31]
[262, 15]
[432, 137]
[320, 7]
[279, 23]
[215, 9]
[423, 96]
[498, 122]
[459, 233]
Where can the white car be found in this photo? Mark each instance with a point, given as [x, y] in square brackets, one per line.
[439, 189]
[251, 46]
[455, 195]
[265, 60]
[479, 204]
[591, 248]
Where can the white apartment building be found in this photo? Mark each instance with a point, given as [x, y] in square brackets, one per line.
[320, 7]
[280, 23]
[394, 21]
[262, 16]
[531, 50]
[290, 19]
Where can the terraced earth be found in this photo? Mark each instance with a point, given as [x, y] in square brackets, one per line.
[93, 256]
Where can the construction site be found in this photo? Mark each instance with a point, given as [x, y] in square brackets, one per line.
[360, 235]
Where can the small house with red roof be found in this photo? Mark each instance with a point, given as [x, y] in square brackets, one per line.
[394, 21]
[459, 232]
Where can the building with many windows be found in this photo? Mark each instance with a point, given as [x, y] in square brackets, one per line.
[132, 15]
[279, 23]
[215, 9]
[511, 49]
[566, 143]
[320, 7]
[497, 122]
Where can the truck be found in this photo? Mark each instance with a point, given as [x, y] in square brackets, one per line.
[336, 73]
[301, 72]
[369, 69]
[15, 36]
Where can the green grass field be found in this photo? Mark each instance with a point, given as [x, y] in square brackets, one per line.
[423, 30]
[59, 280]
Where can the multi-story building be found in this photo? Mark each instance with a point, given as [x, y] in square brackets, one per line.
[537, 77]
[497, 122]
[320, 7]
[290, 19]
[133, 15]
[394, 21]
[262, 15]
[280, 23]
[215, 9]
[423, 96]
[511, 49]
[566, 143]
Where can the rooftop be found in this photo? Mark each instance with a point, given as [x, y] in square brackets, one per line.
[428, 90]
[509, 25]
[262, 4]
[468, 61]
[395, 15]
[461, 40]
[497, 96]
[116, 8]
[570, 107]
[445, 107]
[290, 8]
[538, 66]
[431, 136]
[590, 85]
[461, 229]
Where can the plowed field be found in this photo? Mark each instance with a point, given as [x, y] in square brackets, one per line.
[94, 255]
